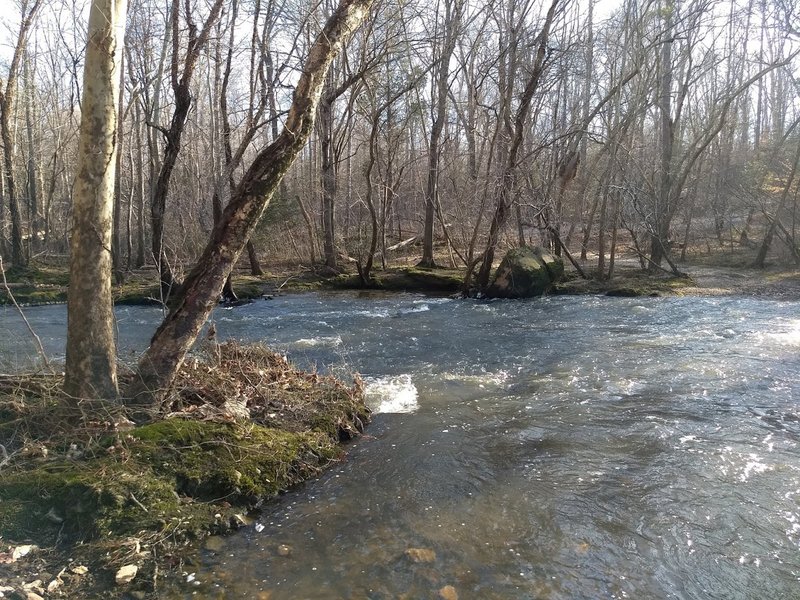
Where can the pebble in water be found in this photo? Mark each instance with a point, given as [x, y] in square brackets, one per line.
[448, 592]
[215, 543]
[421, 555]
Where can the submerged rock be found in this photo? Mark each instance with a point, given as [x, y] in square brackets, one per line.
[448, 592]
[421, 555]
[525, 273]
[215, 543]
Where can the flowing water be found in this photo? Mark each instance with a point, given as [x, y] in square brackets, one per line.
[569, 447]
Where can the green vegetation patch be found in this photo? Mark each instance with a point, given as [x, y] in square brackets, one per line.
[34, 294]
[241, 425]
[628, 283]
[405, 279]
[137, 291]
[38, 283]
[38, 273]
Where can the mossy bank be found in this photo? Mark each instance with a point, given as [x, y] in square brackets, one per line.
[242, 426]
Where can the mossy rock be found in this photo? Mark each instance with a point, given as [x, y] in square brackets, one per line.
[526, 273]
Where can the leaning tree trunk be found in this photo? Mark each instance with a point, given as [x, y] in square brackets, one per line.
[91, 352]
[761, 257]
[198, 295]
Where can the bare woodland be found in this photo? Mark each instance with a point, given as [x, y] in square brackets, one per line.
[451, 129]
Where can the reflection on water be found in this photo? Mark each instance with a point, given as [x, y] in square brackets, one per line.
[563, 448]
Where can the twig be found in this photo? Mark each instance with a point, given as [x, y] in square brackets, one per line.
[285, 282]
[24, 318]
[139, 504]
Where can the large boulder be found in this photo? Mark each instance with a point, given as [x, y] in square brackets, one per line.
[525, 273]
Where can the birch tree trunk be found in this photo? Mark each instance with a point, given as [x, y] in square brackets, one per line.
[198, 295]
[91, 350]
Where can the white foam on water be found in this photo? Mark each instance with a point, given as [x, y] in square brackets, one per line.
[415, 309]
[790, 336]
[494, 378]
[319, 341]
[387, 395]
[753, 466]
[372, 314]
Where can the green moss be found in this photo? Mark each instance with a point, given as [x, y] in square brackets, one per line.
[248, 286]
[83, 500]
[629, 283]
[175, 473]
[34, 294]
[137, 291]
[40, 274]
[242, 462]
[408, 279]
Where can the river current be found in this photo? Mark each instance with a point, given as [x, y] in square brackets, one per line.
[567, 447]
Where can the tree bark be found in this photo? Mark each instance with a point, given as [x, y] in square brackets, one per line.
[661, 224]
[452, 21]
[325, 129]
[91, 350]
[198, 295]
[34, 209]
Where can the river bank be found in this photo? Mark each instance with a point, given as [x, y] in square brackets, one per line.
[91, 503]
[712, 275]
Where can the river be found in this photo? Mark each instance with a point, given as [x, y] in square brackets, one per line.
[568, 447]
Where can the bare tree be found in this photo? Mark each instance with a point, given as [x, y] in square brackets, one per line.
[451, 23]
[180, 77]
[8, 96]
[509, 168]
